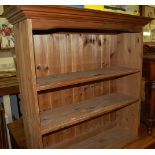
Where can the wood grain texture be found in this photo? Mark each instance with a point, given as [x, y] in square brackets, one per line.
[27, 83]
[144, 140]
[8, 81]
[92, 53]
[99, 139]
[78, 130]
[9, 85]
[68, 115]
[50, 17]
[73, 78]
[17, 135]
[82, 59]
[47, 47]
[129, 49]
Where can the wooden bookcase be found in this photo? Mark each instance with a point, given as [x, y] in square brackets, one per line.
[79, 73]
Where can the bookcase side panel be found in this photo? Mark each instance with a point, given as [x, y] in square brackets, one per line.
[27, 83]
[128, 53]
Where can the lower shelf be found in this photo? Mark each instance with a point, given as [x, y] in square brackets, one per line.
[144, 140]
[58, 118]
[111, 139]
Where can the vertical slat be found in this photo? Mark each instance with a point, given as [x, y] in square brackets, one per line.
[42, 48]
[27, 83]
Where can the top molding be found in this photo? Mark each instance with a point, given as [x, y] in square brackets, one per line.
[53, 17]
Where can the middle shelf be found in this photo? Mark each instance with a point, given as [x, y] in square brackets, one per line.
[58, 118]
[67, 79]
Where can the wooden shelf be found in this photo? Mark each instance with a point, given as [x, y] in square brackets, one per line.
[144, 140]
[99, 139]
[9, 85]
[7, 49]
[52, 120]
[73, 78]
[8, 81]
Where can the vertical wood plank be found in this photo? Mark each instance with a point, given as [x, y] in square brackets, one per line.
[27, 83]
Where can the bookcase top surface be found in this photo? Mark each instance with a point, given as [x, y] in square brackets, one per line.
[57, 17]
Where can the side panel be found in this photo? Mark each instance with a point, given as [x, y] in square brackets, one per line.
[27, 83]
[128, 53]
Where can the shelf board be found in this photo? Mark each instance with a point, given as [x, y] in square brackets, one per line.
[67, 79]
[99, 139]
[7, 49]
[58, 118]
[8, 81]
[144, 141]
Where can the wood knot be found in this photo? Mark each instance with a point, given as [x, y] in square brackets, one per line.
[85, 88]
[118, 42]
[138, 40]
[87, 41]
[99, 42]
[46, 68]
[38, 67]
[129, 50]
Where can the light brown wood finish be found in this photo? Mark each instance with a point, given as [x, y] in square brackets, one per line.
[51, 17]
[8, 81]
[79, 130]
[56, 81]
[17, 135]
[55, 50]
[75, 113]
[9, 85]
[129, 49]
[27, 82]
[144, 140]
[83, 58]
[99, 139]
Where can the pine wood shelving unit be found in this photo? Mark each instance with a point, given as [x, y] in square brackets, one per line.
[79, 75]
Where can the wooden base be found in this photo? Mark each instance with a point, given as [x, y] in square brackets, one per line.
[143, 142]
